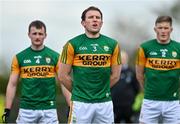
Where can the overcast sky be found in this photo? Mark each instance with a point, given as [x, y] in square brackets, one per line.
[62, 18]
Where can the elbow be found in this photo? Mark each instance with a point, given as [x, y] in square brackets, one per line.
[139, 77]
[60, 77]
[116, 78]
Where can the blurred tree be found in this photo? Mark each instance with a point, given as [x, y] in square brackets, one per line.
[130, 35]
[3, 76]
[173, 10]
[1, 105]
[3, 84]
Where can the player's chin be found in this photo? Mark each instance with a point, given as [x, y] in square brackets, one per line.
[95, 31]
[164, 39]
[38, 42]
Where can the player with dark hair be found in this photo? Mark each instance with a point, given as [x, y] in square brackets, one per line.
[94, 60]
[37, 67]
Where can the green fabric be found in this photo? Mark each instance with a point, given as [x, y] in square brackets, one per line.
[92, 84]
[162, 81]
[38, 91]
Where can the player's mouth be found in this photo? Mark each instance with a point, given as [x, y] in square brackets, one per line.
[37, 40]
[163, 36]
[95, 25]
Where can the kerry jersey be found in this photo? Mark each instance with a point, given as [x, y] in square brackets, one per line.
[37, 70]
[162, 69]
[91, 60]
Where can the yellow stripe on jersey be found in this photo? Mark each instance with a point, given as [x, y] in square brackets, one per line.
[162, 64]
[92, 60]
[43, 71]
[57, 66]
[140, 57]
[89, 60]
[67, 54]
[116, 57]
[64, 52]
[15, 66]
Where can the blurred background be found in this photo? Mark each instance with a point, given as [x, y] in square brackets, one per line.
[130, 22]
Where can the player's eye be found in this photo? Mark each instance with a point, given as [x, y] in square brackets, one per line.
[34, 33]
[40, 33]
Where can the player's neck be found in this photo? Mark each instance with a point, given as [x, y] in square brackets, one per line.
[163, 42]
[37, 48]
[92, 35]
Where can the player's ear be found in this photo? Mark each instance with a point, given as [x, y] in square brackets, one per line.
[155, 29]
[45, 35]
[83, 23]
[101, 23]
[29, 34]
[171, 29]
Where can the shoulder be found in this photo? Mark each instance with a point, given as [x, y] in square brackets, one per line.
[51, 53]
[23, 52]
[51, 50]
[175, 42]
[148, 43]
[108, 39]
[77, 39]
[175, 46]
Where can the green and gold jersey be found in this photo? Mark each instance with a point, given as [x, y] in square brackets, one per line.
[162, 69]
[91, 60]
[37, 70]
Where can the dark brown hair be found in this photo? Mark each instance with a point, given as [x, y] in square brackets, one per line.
[38, 24]
[83, 16]
[164, 19]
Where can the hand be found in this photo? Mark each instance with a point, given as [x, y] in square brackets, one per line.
[5, 115]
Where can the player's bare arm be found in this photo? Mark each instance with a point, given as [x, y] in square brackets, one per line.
[115, 74]
[66, 94]
[11, 89]
[140, 75]
[64, 75]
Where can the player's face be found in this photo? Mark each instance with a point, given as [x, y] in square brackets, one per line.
[163, 31]
[37, 36]
[93, 22]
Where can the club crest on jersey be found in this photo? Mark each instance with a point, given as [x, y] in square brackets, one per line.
[106, 48]
[174, 54]
[48, 60]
